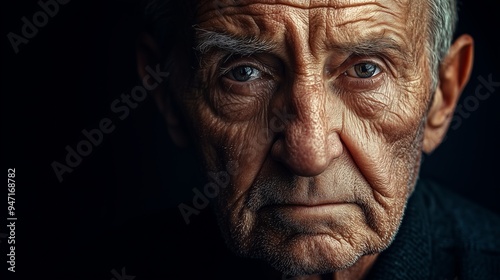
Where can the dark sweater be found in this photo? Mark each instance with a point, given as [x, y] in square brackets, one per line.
[442, 236]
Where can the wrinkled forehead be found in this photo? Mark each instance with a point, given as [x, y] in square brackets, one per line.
[297, 3]
[327, 22]
[207, 6]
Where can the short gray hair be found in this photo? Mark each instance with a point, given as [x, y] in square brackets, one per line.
[443, 18]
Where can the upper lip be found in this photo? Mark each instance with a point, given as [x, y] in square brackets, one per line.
[305, 204]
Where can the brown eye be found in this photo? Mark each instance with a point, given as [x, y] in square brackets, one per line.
[363, 70]
[243, 74]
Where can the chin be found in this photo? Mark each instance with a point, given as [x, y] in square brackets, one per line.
[311, 254]
[316, 246]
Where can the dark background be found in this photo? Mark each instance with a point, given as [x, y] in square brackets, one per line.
[65, 79]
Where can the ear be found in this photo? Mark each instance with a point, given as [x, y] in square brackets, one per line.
[454, 74]
[149, 57]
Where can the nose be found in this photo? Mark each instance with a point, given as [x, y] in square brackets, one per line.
[307, 144]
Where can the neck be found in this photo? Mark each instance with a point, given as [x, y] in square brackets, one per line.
[358, 271]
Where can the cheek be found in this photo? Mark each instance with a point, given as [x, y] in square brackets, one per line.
[226, 143]
[236, 102]
[381, 131]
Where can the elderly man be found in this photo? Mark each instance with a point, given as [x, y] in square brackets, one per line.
[314, 116]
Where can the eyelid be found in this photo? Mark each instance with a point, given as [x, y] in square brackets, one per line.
[337, 66]
[374, 59]
[340, 70]
[350, 84]
[231, 63]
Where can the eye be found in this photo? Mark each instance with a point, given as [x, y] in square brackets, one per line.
[244, 74]
[363, 70]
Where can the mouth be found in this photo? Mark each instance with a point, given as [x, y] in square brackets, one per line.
[298, 220]
[305, 211]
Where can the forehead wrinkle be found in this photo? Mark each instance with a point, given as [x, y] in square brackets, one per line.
[298, 4]
[372, 14]
[325, 34]
[335, 16]
[207, 8]
[381, 29]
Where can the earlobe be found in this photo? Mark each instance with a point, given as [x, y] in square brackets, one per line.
[150, 57]
[454, 74]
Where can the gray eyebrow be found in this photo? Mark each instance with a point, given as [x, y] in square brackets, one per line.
[207, 40]
[372, 46]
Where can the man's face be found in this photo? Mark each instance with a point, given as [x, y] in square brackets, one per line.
[318, 116]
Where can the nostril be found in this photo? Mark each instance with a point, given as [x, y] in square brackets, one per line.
[303, 159]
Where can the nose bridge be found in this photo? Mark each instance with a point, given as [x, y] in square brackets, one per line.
[307, 99]
[304, 147]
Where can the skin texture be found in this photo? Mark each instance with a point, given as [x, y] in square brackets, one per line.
[331, 187]
[321, 160]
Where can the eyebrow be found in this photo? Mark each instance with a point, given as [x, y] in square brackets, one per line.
[245, 46]
[373, 46]
[207, 40]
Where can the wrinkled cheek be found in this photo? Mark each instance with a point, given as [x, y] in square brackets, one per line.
[385, 150]
[402, 131]
[399, 127]
[236, 148]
